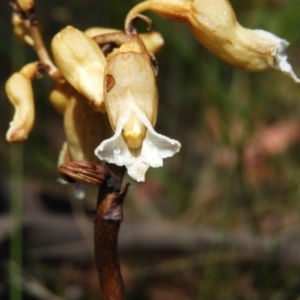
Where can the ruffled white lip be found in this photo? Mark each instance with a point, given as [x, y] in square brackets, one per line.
[281, 61]
[279, 54]
[154, 149]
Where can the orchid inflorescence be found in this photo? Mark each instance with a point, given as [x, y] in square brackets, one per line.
[105, 79]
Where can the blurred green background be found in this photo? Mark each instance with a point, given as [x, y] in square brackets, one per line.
[221, 217]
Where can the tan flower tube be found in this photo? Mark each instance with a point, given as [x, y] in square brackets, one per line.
[215, 25]
[81, 62]
[19, 91]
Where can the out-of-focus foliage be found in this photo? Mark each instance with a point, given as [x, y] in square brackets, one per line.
[239, 167]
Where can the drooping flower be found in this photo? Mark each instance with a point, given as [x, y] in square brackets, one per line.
[81, 62]
[214, 24]
[130, 96]
[18, 88]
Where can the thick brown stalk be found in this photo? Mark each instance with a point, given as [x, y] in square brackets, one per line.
[107, 224]
[43, 55]
[109, 216]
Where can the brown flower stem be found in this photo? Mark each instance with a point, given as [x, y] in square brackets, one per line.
[177, 10]
[107, 224]
[131, 35]
[131, 29]
[120, 38]
[31, 22]
[42, 53]
[109, 215]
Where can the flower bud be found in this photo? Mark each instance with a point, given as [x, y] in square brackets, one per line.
[81, 62]
[130, 95]
[215, 25]
[19, 91]
[153, 41]
[26, 5]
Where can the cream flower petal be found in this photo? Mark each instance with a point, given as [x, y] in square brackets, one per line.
[154, 149]
[81, 62]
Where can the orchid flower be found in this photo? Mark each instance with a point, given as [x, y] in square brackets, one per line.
[215, 26]
[81, 62]
[130, 95]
